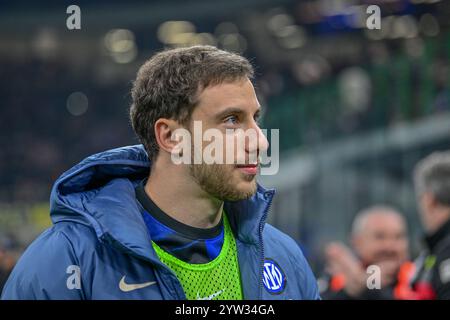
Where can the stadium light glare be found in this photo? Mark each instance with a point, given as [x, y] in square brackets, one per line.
[175, 32]
[77, 103]
[121, 45]
[233, 42]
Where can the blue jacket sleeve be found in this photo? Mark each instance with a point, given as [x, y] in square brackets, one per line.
[48, 269]
[306, 276]
[287, 251]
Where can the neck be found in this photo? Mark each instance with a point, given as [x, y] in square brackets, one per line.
[180, 197]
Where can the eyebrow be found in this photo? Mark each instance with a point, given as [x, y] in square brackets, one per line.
[233, 110]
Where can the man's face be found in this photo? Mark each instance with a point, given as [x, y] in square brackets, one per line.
[427, 205]
[230, 106]
[383, 238]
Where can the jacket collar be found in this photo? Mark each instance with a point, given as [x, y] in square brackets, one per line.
[99, 192]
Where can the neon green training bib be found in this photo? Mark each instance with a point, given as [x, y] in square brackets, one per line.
[219, 279]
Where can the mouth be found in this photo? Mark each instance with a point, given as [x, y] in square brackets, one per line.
[251, 169]
[387, 257]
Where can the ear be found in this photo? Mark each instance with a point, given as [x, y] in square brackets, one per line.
[164, 128]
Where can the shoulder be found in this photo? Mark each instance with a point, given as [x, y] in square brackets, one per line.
[281, 242]
[442, 269]
[45, 268]
[63, 238]
[285, 252]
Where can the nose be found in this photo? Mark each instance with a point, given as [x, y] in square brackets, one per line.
[393, 246]
[261, 144]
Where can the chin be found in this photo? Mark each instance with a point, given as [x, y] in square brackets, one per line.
[247, 188]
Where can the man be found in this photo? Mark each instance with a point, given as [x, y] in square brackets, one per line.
[379, 238]
[432, 184]
[7, 261]
[132, 224]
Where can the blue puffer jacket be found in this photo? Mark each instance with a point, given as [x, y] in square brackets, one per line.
[99, 246]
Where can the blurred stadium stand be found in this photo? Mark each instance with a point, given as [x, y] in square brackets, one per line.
[356, 108]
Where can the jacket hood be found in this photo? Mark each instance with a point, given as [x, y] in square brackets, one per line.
[99, 192]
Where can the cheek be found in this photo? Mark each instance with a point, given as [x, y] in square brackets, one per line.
[225, 171]
[402, 245]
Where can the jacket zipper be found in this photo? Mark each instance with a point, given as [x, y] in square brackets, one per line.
[261, 227]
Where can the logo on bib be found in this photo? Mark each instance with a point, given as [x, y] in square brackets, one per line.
[274, 278]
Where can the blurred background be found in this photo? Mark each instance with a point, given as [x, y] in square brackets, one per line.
[356, 108]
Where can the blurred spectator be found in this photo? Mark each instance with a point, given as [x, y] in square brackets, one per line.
[8, 258]
[379, 237]
[431, 278]
[37, 127]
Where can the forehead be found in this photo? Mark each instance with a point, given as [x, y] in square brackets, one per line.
[239, 93]
[387, 222]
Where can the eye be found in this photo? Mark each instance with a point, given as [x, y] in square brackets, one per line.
[231, 120]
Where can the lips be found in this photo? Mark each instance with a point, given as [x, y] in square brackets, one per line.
[248, 168]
